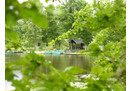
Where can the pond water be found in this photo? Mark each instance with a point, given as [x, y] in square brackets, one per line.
[62, 61]
[58, 61]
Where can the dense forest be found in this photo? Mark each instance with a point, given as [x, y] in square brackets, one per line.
[31, 26]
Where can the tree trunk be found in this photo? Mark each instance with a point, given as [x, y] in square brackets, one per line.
[36, 45]
[70, 45]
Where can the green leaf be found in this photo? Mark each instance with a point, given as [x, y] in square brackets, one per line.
[46, 1]
[94, 49]
[36, 17]
[97, 69]
[117, 87]
[11, 35]
[73, 70]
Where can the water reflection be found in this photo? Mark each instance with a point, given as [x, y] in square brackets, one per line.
[59, 61]
[62, 61]
[13, 57]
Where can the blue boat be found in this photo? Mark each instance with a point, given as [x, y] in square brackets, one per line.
[47, 53]
[66, 51]
[58, 52]
[54, 52]
[8, 52]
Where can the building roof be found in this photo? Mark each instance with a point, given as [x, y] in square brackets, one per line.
[77, 41]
